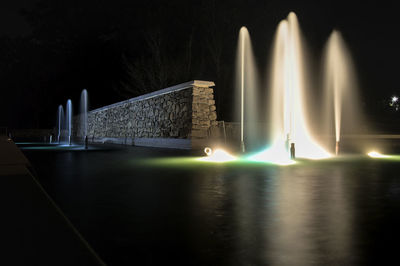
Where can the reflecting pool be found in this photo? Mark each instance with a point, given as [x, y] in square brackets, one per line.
[153, 206]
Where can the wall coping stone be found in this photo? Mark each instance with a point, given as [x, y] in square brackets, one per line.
[182, 86]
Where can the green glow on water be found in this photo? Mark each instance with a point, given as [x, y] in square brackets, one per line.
[395, 157]
[182, 162]
[389, 157]
[199, 162]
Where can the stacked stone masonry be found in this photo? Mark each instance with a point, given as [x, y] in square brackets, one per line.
[204, 114]
[185, 111]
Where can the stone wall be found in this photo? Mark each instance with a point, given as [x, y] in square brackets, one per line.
[204, 114]
[179, 117]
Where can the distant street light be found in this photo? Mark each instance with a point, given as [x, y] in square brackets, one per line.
[395, 103]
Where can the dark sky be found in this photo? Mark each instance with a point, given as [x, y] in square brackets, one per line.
[11, 21]
[51, 50]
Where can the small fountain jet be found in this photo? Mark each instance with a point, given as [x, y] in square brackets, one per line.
[68, 121]
[60, 117]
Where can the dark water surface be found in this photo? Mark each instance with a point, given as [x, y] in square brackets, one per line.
[134, 209]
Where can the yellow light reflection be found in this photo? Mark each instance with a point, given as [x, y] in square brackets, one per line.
[375, 154]
[218, 156]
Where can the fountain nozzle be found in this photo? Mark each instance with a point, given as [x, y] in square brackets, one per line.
[86, 142]
[337, 148]
[242, 147]
[292, 151]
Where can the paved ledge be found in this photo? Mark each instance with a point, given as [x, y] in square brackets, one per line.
[35, 231]
[12, 160]
[372, 136]
[148, 142]
[164, 143]
[170, 143]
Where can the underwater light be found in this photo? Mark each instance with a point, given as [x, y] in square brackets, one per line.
[218, 156]
[375, 154]
[208, 151]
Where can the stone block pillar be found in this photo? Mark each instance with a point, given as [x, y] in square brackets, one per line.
[204, 114]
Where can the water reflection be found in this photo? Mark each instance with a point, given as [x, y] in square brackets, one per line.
[334, 212]
[283, 216]
[288, 230]
[312, 221]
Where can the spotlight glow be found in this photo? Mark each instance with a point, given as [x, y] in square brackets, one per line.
[375, 154]
[217, 156]
[208, 151]
[395, 99]
[276, 154]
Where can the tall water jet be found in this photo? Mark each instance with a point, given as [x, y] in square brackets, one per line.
[60, 119]
[288, 122]
[68, 121]
[246, 90]
[84, 113]
[242, 47]
[340, 89]
[288, 93]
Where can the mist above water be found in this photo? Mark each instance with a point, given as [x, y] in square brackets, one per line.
[247, 88]
[60, 121]
[68, 120]
[341, 99]
[84, 113]
[288, 93]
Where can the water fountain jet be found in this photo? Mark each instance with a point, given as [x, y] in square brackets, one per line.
[289, 125]
[246, 91]
[68, 121]
[340, 89]
[60, 116]
[242, 90]
[84, 114]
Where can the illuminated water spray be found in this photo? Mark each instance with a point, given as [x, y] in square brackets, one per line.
[84, 113]
[290, 130]
[68, 121]
[246, 96]
[60, 118]
[242, 37]
[289, 125]
[340, 88]
[246, 87]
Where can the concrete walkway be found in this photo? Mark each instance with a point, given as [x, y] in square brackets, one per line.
[34, 230]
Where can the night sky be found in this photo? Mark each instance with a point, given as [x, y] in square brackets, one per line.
[51, 50]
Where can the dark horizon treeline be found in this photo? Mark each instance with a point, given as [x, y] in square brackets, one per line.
[123, 48]
[116, 50]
